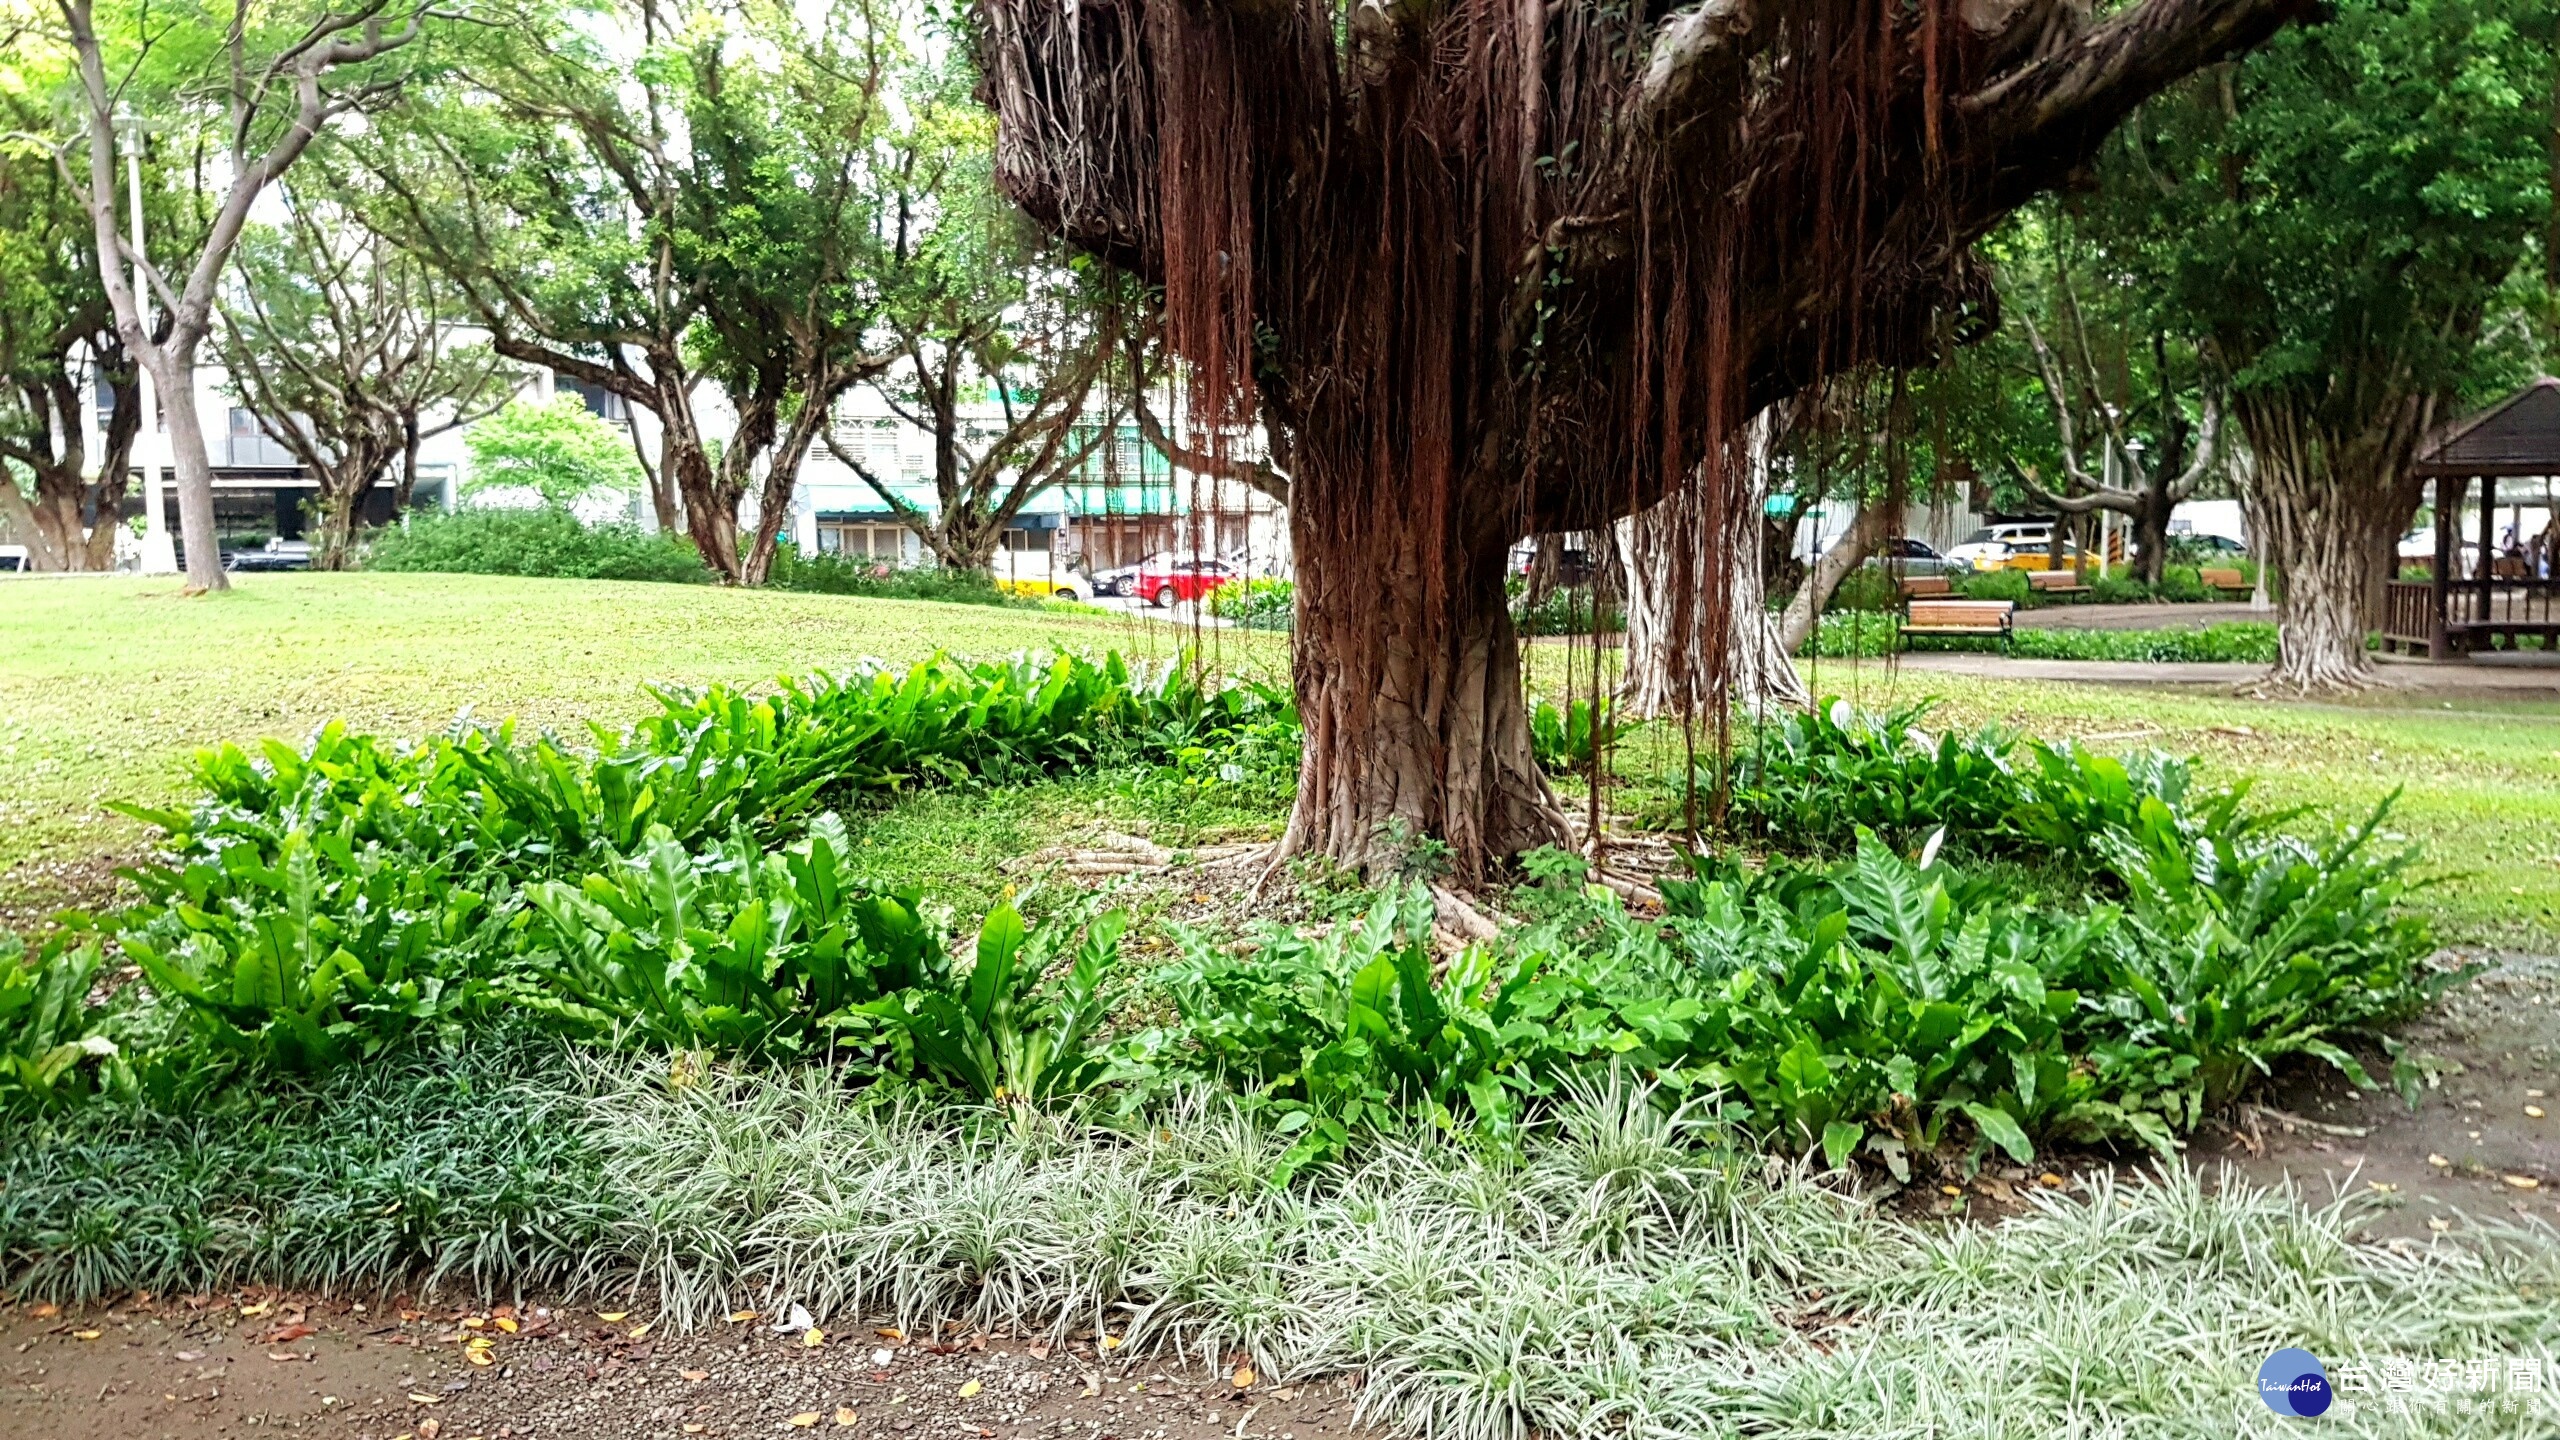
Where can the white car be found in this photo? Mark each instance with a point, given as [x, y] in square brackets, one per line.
[1990, 547]
[1039, 574]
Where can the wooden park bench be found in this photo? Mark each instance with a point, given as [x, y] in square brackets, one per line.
[2228, 581]
[1980, 618]
[1918, 586]
[2056, 582]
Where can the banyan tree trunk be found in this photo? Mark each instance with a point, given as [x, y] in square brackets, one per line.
[1670, 654]
[2330, 505]
[1408, 684]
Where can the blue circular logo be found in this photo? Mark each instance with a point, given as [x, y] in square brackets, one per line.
[2292, 1383]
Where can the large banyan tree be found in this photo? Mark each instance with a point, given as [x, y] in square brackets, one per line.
[1488, 268]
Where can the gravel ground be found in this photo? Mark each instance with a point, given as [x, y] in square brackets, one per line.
[255, 1364]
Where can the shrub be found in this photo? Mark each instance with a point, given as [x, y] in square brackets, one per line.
[52, 1049]
[1566, 610]
[2009, 585]
[2235, 641]
[880, 580]
[1868, 588]
[2185, 585]
[1260, 603]
[1564, 740]
[545, 543]
[1812, 780]
[2119, 587]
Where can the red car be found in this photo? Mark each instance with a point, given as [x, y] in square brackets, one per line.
[1161, 582]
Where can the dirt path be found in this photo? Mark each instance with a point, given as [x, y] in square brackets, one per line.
[2473, 1147]
[246, 1365]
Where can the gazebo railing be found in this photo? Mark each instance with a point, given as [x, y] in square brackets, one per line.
[2409, 614]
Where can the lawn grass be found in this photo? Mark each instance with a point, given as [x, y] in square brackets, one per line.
[107, 686]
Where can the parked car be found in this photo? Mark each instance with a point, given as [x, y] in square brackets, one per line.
[277, 554]
[1907, 556]
[1041, 575]
[1186, 579]
[14, 557]
[1993, 546]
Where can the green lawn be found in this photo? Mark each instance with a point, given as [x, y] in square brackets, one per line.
[107, 685]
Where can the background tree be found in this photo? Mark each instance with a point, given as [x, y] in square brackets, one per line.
[647, 218]
[2135, 412]
[560, 452]
[1495, 271]
[253, 85]
[985, 313]
[58, 352]
[2336, 217]
[347, 352]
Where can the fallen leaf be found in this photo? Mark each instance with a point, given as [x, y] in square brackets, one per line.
[1110, 1342]
[2378, 1188]
[286, 1333]
[2440, 1226]
[693, 1429]
[190, 1356]
[479, 1357]
[741, 1317]
[2523, 1182]
[45, 1312]
[427, 1429]
[474, 1322]
[696, 1376]
[2534, 1110]
[2050, 1181]
[845, 1415]
[1950, 1189]
[969, 1389]
[507, 1324]
[890, 1332]
[2439, 1162]
[803, 1420]
[813, 1337]
[1243, 1378]
[613, 1317]
[252, 1312]
[638, 1332]
[86, 1334]
[424, 1399]
[1285, 1394]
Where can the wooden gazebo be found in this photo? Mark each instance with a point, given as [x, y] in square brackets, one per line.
[2481, 596]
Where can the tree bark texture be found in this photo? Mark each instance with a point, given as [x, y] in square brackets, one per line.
[1672, 659]
[1495, 270]
[2329, 502]
[1408, 678]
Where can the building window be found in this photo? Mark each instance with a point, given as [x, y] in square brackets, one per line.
[866, 542]
[1027, 541]
[599, 400]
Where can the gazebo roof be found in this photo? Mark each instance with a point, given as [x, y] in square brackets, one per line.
[2519, 435]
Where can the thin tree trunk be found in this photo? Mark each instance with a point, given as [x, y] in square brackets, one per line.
[194, 467]
[1874, 523]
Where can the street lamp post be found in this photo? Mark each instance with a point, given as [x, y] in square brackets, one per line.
[159, 552]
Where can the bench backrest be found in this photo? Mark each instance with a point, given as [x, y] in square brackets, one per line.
[1924, 585]
[2052, 579]
[2224, 579]
[1956, 614]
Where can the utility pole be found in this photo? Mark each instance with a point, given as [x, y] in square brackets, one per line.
[159, 552]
